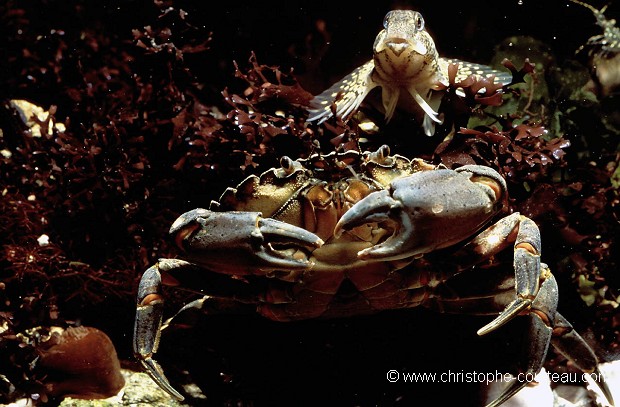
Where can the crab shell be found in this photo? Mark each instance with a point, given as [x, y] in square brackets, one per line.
[314, 194]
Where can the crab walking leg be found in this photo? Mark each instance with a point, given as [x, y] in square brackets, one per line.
[149, 313]
[549, 326]
[527, 273]
[526, 261]
[571, 345]
[541, 317]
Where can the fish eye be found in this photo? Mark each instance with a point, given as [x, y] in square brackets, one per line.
[386, 19]
[419, 22]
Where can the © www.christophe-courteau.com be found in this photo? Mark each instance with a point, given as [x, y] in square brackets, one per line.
[462, 376]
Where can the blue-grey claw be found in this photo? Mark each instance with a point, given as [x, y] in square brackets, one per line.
[234, 242]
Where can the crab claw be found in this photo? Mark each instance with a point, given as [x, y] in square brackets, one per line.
[378, 207]
[238, 242]
[427, 210]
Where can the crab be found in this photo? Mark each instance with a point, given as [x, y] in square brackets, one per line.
[350, 233]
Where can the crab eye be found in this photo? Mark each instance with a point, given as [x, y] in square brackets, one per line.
[383, 152]
[286, 163]
[419, 22]
[386, 19]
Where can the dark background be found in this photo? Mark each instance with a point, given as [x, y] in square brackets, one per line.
[276, 30]
[246, 360]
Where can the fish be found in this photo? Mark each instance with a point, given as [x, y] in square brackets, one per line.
[407, 67]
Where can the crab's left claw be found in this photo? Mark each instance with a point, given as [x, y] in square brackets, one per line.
[421, 207]
[379, 207]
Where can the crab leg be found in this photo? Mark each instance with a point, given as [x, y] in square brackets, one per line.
[523, 233]
[570, 344]
[541, 321]
[526, 266]
[228, 242]
[544, 324]
[548, 326]
[149, 314]
[540, 317]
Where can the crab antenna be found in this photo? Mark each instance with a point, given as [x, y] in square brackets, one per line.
[352, 171]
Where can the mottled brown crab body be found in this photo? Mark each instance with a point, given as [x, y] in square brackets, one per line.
[349, 233]
[313, 195]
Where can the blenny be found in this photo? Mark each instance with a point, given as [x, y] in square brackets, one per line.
[409, 70]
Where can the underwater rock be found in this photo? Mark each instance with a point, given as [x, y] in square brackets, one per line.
[605, 75]
[611, 371]
[536, 393]
[80, 362]
[140, 390]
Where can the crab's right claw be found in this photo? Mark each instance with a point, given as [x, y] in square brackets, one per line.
[147, 328]
[236, 242]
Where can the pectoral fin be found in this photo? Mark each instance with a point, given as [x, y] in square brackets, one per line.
[348, 94]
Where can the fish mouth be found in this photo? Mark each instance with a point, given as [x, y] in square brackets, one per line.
[399, 45]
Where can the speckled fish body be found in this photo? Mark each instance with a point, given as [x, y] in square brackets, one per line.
[408, 69]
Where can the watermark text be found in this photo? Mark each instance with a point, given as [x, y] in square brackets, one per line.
[462, 376]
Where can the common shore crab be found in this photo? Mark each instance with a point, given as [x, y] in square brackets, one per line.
[348, 233]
